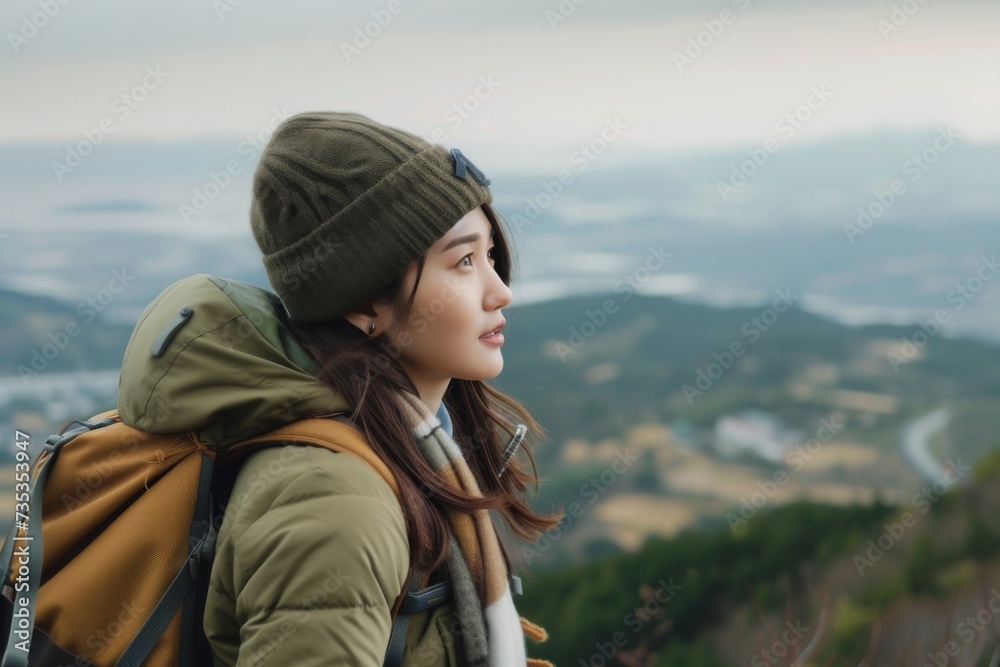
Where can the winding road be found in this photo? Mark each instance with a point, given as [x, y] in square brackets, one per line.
[915, 443]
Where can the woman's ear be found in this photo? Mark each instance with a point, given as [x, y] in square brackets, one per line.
[361, 317]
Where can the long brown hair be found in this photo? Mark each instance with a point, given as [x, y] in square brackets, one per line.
[355, 366]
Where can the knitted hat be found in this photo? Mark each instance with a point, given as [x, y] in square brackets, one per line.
[342, 205]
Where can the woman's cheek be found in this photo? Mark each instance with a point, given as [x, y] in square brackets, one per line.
[418, 321]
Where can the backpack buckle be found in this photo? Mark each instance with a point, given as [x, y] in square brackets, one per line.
[194, 558]
[427, 598]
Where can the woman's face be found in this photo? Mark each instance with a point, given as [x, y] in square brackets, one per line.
[458, 300]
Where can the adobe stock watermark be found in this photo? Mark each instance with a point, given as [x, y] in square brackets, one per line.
[260, 649]
[914, 167]
[88, 310]
[629, 283]
[967, 629]
[900, 16]
[391, 349]
[370, 30]
[122, 106]
[796, 458]
[562, 12]
[32, 25]
[893, 532]
[702, 41]
[634, 620]
[89, 481]
[223, 7]
[581, 158]
[202, 196]
[20, 561]
[963, 292]
[289, 452]
[593, 490]
[459, 112]
[92, 478]
[780, 647]
[786, 126]
[753, 329]
[100, 639]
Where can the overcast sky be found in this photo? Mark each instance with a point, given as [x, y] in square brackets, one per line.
[554, 85]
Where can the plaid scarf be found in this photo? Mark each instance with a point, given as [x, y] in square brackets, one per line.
[493, 633]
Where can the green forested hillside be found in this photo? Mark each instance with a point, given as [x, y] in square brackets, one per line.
[853, 576]
[635, 366]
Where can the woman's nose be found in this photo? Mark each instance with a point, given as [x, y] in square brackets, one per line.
[498, 294]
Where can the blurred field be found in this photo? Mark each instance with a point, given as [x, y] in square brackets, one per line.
[632, 517]
[684, 485]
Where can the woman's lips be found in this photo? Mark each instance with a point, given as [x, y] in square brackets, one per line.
[493, 339]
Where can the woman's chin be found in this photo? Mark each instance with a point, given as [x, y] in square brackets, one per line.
[485, 371]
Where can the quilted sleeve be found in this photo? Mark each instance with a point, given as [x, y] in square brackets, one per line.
[316, 574]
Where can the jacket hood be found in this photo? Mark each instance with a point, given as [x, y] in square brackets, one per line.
[211, 355]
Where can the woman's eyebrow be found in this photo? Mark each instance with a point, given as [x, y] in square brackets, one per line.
[468, 238]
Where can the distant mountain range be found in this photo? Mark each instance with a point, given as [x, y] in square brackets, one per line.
[784, 228]
[593, 366]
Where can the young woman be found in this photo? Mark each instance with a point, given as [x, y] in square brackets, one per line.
[394, 271]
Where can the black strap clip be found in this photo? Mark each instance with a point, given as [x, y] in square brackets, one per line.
[427, 598]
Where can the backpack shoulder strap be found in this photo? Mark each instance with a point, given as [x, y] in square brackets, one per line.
[320, 431]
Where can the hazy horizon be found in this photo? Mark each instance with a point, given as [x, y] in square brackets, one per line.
[555, 82]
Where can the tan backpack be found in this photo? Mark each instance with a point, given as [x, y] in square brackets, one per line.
[127, 527]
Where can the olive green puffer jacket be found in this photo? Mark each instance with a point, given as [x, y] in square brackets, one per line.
[312, 551]
[311, 556]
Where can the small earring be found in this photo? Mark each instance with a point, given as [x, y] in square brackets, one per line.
[371, 327]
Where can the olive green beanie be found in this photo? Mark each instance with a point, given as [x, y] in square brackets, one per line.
[342, 205]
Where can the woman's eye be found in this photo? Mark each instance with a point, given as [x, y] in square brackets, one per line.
[489, 254]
